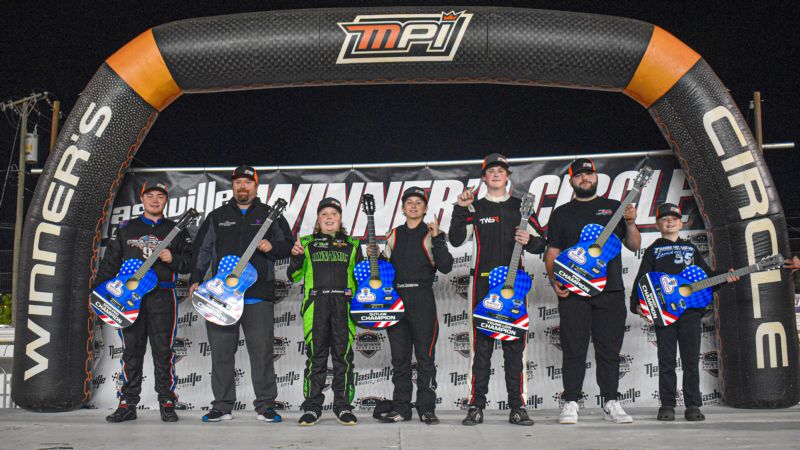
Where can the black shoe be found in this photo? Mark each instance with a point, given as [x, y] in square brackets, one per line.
[693, 414]
[167, 409]
[394, 416]
[666, 414]
[520, 416]
[474, 416]
[308, 418]
[429, 418]
[123, 413]
[346, 417]
[215, 415]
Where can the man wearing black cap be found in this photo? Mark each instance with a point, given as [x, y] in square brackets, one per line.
[493, 220]
[416, 251]
[671, 254]
[603, 316]
[137, 239]
[228, 230]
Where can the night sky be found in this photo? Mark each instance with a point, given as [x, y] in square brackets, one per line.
[751, 46]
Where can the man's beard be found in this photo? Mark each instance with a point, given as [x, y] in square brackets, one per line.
[585, 193]
[243, 198]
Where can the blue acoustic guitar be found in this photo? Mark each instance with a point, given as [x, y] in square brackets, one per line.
[582, 267]
[375, 303]
[221, 298]
[117, 301]
[503, 313]
[664, 297]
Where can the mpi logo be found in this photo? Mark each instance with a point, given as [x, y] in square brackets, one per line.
[403, 37]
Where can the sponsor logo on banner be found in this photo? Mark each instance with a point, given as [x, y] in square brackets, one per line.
[712, 399]
[184, 406]
[649, 330]
[181, 347]
[143, 408]
[708, 330]
[624, 364]
[386, 38]
[581, 401]
[628, 396]
[285, 319]
[237, 406]
[530, 369]
[97, 346]
[373, 376]
[554, 373]
[279, 346]
[546, 313]
[678, 397]
[460, 343]
[114, 352]
[461, 284]
[554, 336]
[414, 372]
[189, 380]
[98, 381]
[282, 289]
[368, 343]
[455, 320]
[458, 379]
[534, 402]
[368, 403]
[700, 240]
[187, 319]
[463, 403]
[205, 348]
[238, 376]
[282, 406]
[301, 347]
[651, 370]
[711, 363]
[287, 379]
[328, 379]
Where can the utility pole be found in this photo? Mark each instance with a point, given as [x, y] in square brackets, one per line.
[757, 121]
[25, 107]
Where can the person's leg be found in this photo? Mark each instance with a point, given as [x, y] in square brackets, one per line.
[689, 331]
[162, 328]
[224, 341]
[342, 334]
[425, 330]
[608, 330]
[575, 317]
[400, 343]
[258, 322]
[316, 329]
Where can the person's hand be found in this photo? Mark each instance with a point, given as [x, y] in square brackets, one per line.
[264, 246]
[630, 214]
[642, 314]
[561, 291]
[792, 264]
[165, 256]
[297, 249]
[732, 278]
[465, 198]
[433, 227]
[372, 250]
[193, 288]
[522, 236]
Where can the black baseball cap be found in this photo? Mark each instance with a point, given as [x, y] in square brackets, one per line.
[495, 159]
[245, 171]
[581, 165]
[154, 186]
[415, 191]
[329, 202]
[668, 209]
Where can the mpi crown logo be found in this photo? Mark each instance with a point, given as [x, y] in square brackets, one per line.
[403, 37]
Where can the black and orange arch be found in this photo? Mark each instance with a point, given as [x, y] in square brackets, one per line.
[322, 47]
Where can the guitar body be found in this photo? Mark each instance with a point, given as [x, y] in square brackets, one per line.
[220, 302]
[375, 307]
[115, 303]
[660, 295]
[579, 270]
[500, 317]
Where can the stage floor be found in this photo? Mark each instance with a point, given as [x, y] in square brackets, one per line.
[724, 428]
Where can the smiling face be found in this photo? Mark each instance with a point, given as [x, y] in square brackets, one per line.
[414, 208]
[669, 224]
[329, 220]
[154, 202]
[244, 190]
[495, 177]
[584, 184]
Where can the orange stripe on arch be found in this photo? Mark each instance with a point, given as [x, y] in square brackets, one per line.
[665, 61]
[140, 64]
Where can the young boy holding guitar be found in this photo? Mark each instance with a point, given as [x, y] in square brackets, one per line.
[493, 221]
[670, 254]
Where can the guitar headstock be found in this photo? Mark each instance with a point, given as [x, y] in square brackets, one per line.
[528, 205]
[643, 177]
[368, 204]
[187, 217]
[277, 209]
[770, 262]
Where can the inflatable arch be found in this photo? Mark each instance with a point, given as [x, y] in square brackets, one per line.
[698, 118]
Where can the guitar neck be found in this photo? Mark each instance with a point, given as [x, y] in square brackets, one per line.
[148, 263]
[612, 224]
[372, 244]
[516, 255]
[722, 278]
[251, 249]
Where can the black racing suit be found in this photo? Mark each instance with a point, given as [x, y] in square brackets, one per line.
[416, 257]
[137, 239]
[672, 257]
[493, 222]
[326, 269]
[228, 230]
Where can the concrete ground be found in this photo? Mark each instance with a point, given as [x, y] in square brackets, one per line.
[725, 428]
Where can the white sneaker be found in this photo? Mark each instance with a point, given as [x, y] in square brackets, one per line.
[569, 413]
[613, 412]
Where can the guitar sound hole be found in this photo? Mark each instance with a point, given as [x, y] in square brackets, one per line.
[507, 293]
[595, 251]
[375, 284]
[685, 290]
[131, 284]
[232, 280]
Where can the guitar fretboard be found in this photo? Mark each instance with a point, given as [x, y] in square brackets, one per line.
[612, 224]
[148, 263]
[722, 278]
[240, 266]
[372, 248]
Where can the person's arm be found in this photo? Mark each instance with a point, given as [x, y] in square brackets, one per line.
[442, 258]
[632, 237]
[536, 244]
[112, 260]
[181, 249]
[555, 239]
[203, 250]
[646, 266]
[700, 262]
[297, 263]
[460, 225]
[280, 236]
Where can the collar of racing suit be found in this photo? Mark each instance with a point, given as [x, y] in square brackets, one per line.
[494, 199]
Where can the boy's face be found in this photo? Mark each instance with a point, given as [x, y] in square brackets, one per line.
[414, 207]
[669, 224]
[496, 177]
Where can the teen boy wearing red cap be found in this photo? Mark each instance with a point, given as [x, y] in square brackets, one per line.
[493, 222]
[138, 238]
[228, 230]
